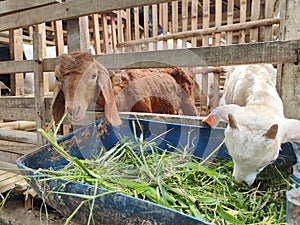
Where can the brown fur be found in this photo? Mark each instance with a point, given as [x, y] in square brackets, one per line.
[138, 90]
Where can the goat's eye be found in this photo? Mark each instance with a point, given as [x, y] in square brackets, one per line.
[94, 75]
[57, 78]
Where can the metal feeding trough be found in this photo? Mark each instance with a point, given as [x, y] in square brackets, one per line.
[118, 208]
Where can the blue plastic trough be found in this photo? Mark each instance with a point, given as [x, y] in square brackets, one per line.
[119, 208]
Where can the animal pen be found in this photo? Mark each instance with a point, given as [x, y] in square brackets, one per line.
[200, 35]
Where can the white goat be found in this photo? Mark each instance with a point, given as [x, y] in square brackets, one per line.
[257, 126]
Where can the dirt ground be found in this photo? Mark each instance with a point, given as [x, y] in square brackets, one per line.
[14, 213]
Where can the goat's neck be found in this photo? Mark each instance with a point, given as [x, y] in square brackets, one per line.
[264, 95]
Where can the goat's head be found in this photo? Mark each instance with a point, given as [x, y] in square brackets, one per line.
[251, 144]
[80, 81]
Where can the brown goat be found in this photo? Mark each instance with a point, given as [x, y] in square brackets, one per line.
[81, 81]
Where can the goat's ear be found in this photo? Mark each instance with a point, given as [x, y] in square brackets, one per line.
[271, 132]
[58, 103]
[110, 108]
[232, 122]
[221, 114]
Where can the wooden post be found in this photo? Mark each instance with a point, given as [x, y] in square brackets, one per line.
[78, 34]
[105, 33]
[290, 93]
[96, 32]
[39, 84]
[194, 20]
[16, 52]
[243, 17]
[184, 14]
[41, 28]
[230, 11]
[59, 37]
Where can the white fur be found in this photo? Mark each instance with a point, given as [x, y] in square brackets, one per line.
[250, 96]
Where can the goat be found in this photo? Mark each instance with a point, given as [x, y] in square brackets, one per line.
[256, 123]
[83, 81]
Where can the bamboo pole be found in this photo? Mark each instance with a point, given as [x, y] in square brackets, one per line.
[211, 30]
[19, 125]
[18, 136]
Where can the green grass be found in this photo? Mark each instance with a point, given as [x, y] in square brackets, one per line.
[180, 181]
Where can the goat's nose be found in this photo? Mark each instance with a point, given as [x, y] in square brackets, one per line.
[73, 110]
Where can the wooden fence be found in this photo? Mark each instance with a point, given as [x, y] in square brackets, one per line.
[210, 33]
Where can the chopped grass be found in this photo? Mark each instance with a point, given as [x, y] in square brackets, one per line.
[180, 181]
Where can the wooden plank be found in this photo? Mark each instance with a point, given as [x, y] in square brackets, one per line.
[84, 34]
[10, 147]
[39, 86]
[120, 33]
[261, 52]
[184, 19]
[9, 157]
[255, 11]
[146, 21]
[290, 74]
[17, 114]
[154, 24]
[218, 21]
[230, 15]
[136, 23]
[243, 17]
[194, 21]
[113, 31]
[68, 10]
[5, 166]
[58, 37]
[41, 28]
[10, 183]
[128, 26]
[16, 53]
[175, 13]
[105, 33]
[269, 13]
[7, 175]
[205, 19]
[96, 33]
[165, 20]
[16, 66]
[17, 101]
[204, 94]
[266, 52]
[10, 6]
